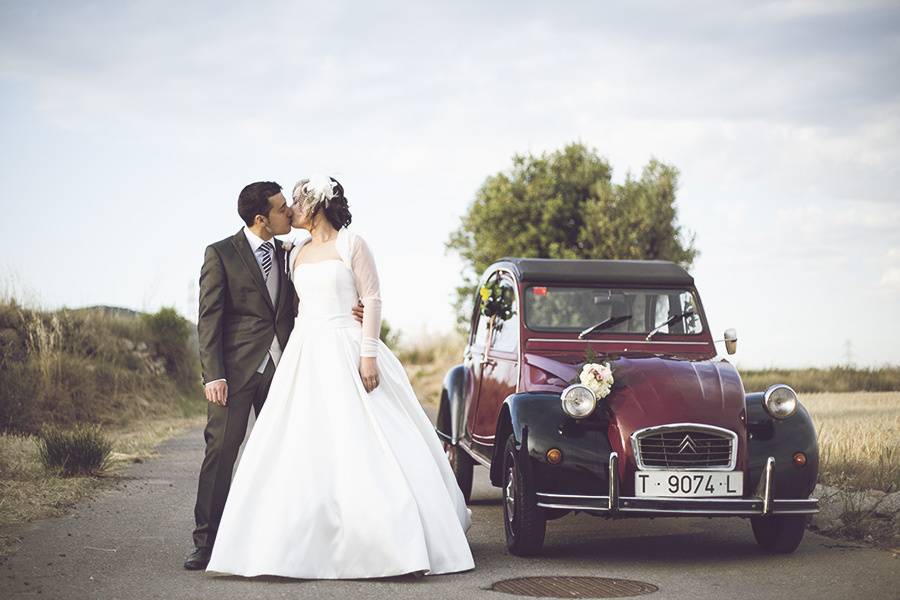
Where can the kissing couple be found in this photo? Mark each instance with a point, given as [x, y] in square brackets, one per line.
[342, 475]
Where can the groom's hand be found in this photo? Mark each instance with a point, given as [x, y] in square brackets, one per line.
[358, 311]
[216, 392]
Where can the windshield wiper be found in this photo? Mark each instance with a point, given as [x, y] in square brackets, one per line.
[603, 325]
[689, 312]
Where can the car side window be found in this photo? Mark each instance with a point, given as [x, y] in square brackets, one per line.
[481, 332]
[506, 331]
[481, 326]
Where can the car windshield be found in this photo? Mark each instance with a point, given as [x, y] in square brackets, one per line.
[563, 308]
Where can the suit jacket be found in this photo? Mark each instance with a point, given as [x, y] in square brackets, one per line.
[237, 316]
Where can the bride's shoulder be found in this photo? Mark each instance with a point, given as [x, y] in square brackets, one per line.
[351, 240]
[352, 247]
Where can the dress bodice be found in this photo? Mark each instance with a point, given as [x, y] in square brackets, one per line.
[330, 288]
[326, 289]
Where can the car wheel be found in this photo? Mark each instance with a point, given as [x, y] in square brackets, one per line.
[523, 520]
[779, 534]
[462, 466]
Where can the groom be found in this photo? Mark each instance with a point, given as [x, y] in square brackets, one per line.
[247, 310]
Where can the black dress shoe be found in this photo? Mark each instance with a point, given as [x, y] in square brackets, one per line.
[198, 559]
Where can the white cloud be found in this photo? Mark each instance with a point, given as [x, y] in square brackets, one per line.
[890, 278]
[783, 118]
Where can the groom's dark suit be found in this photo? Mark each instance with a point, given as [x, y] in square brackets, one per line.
[238, 321]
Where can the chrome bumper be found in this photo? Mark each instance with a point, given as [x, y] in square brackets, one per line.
[612, 504]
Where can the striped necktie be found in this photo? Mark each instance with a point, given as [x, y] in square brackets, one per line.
[266, 254]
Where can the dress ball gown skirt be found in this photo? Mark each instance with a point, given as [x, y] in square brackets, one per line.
[335, 482]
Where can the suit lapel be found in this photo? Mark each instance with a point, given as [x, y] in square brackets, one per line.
[282, 280]
[240, 243]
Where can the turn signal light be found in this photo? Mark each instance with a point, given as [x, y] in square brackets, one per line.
[799, 459]
[554, 456]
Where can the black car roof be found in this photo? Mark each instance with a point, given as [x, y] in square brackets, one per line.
[629, 272]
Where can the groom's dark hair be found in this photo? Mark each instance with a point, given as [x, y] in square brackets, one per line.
[254, 200]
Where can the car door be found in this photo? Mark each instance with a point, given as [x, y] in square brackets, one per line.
[499, 367]
[474, 361]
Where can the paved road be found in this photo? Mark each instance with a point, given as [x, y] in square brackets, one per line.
[128, 542]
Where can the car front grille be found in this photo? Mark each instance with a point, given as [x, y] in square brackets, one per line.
[685, 447]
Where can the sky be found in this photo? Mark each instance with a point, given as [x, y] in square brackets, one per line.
[129, 128]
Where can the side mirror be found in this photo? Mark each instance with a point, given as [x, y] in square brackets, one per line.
[731, 341]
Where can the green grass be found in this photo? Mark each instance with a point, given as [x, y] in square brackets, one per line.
[82, 450]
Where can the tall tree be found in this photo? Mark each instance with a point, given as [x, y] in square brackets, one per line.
[564, 204]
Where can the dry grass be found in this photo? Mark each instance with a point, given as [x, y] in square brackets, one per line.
[70, 367]
[859, 438]
[832, 379]
[29, 492]
[427, 363]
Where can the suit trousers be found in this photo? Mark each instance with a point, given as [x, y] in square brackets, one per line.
[224, 433]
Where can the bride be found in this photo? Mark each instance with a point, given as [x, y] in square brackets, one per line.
[342, 475]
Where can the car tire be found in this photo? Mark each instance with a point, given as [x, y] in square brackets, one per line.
[779, 534]
[462, 465]
[523, 520]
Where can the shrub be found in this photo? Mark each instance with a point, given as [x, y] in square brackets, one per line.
[389, 336]
[83, 450]
[170, 335]
[94, 365]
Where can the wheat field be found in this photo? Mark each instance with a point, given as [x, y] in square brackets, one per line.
[859, 438]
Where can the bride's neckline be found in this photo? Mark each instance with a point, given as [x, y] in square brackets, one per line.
[324, 260]
[315, 262]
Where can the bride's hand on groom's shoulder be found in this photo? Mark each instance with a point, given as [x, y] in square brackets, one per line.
[368, 372]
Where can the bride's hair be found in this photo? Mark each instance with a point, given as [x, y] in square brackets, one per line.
[336, 208]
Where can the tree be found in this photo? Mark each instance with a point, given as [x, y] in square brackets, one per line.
[389, 336]
[565, 205]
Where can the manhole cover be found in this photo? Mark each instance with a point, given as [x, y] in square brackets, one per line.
[574, 587]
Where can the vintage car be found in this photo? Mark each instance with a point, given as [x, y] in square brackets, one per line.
[676, 435]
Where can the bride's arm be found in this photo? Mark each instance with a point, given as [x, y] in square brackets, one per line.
[366, 274]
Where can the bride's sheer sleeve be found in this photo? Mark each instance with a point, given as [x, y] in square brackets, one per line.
[366, 275]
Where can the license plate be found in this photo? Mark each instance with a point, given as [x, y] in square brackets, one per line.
[688, 484]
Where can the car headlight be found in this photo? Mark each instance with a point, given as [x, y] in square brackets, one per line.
[578, 401]
[780, 401]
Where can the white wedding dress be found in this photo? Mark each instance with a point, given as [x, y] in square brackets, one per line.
[335, 482]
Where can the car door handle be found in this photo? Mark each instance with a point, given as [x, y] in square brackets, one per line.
[488, 362]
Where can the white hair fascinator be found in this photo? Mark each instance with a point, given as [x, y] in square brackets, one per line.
[315, 190]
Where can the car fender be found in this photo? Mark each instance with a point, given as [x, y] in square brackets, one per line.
[452, 408]
[538, 423]
[781, 439]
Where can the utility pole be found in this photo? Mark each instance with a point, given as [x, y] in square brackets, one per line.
[848, 354]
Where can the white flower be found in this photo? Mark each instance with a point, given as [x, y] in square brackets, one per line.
[598, 378]
[287, 246]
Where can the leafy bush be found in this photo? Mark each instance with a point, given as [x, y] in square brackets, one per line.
[170, 335]
[390, 337]
[83, 450]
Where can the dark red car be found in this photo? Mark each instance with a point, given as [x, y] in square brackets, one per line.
[675, 435]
